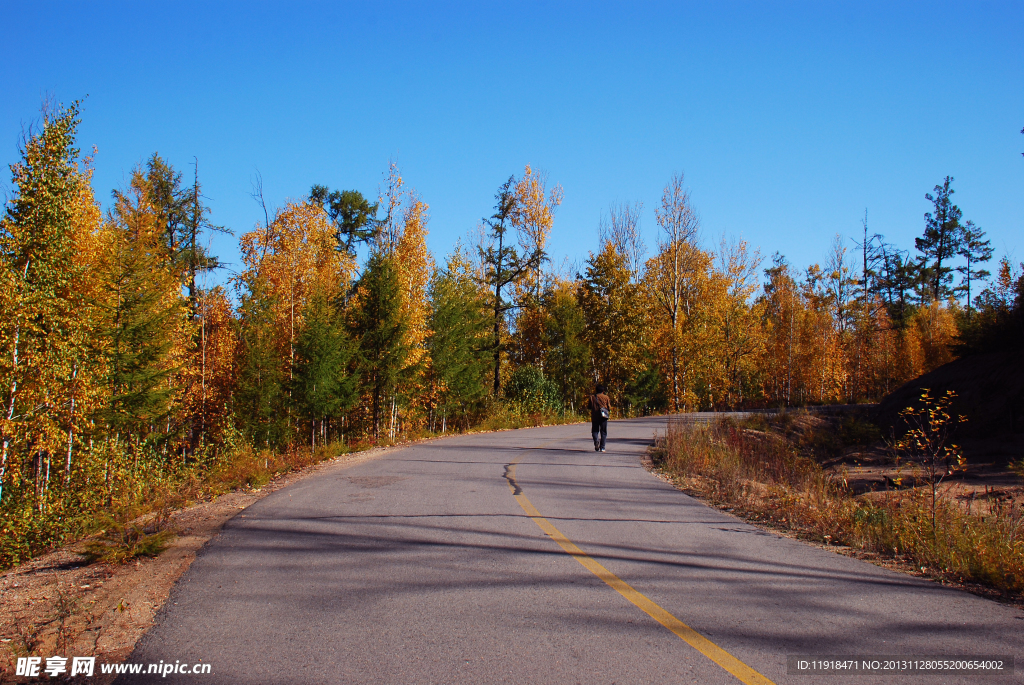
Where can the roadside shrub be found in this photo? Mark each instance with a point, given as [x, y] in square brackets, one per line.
[124, 541]
[534, 393]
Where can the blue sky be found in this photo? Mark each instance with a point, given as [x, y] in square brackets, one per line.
[788, 119]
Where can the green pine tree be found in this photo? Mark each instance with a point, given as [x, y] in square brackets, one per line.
[324, 382]
[182, 217]
[377, 323]
[503, 267]
[260, 403]
[139, 316]
[974, 249]
[458, 341]
[940, 242]
[568, 355]
[352, 215]
[170, 202]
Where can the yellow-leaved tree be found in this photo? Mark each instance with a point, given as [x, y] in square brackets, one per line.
[210, 379]
[674, 279]
[615, 318]
[414, 265]
[737, 321]
[287, 262]
[47, 366]
[533, 217]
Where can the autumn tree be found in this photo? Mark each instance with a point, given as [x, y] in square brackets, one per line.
[782, 307]
[825, 343]
[532, 219]
[668, 272]
[532, 216]
[44, 331]
[525, 342]
[840, 285]
[210, 377]
[388, 229]
[207, 321]
[613, 315]
[286, 261]
[679, 280]
[823, 362]
[400, 237]
[936, 327]
[414, 266]
[873, 334]
[738, 320]
[838, 294]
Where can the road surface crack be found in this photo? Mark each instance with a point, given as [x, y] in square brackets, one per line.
[510, 476]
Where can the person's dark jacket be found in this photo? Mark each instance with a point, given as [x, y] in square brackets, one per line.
[596, 403]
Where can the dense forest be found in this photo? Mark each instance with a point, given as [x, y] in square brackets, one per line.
[119, 369]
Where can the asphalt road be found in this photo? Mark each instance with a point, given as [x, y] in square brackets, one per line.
[525, 557]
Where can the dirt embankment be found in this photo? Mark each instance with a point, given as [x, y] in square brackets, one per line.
[990, 395]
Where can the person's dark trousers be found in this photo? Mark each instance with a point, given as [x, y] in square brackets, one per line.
[599, 427]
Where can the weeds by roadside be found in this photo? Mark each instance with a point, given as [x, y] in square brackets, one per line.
[124, 509]
[514, 415]
[763, 476]
[126, 541]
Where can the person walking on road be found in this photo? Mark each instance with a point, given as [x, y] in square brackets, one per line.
[600, 410]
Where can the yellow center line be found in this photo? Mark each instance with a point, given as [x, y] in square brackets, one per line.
[687, 634]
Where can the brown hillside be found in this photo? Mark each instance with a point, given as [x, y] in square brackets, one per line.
[990, 393]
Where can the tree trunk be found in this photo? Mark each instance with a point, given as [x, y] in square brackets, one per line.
[11, 396]
[71, 429]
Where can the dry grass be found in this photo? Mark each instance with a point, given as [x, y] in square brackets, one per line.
[505, 418]
[125, 542]
[763, 477]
